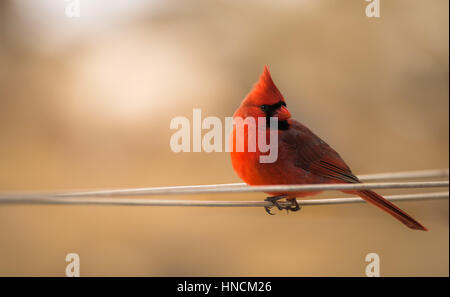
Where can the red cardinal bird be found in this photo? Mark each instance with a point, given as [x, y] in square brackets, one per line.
[303, 158]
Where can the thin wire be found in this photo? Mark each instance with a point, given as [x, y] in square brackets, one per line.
[247, 189]
[241, 188]
[157, 202]
[431, 173]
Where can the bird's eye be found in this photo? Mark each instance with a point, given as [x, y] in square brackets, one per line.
[264, 107]
[283, 103]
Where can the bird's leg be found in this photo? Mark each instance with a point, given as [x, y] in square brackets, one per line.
[274, 201]
[294, 205]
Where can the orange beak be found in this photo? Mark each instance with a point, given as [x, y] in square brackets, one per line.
[282, 113]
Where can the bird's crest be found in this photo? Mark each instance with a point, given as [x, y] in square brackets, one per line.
[265, 90]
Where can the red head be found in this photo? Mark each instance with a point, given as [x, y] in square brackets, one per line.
[265, 100]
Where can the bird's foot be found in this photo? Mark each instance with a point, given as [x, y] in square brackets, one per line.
[274, 201]
[294, 206]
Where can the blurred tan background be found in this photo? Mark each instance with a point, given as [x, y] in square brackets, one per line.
[85, 103]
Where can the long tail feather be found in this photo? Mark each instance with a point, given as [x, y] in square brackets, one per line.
[390, 208]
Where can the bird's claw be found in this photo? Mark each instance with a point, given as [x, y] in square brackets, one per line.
[268, 208]
[274, 200]
[294, 205]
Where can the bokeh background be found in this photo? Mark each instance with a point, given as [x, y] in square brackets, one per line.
[86, 103]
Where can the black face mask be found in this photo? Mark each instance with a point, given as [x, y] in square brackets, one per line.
[269, 111]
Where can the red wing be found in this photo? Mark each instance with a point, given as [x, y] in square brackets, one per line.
[314, 155]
